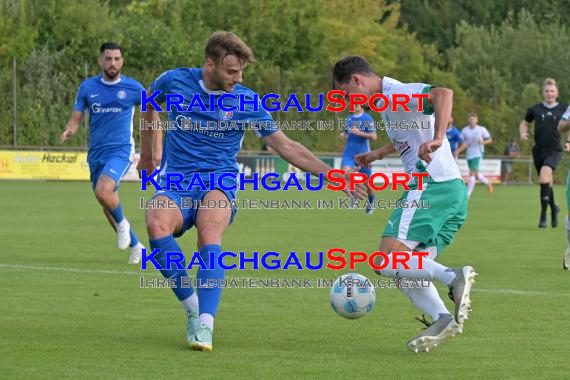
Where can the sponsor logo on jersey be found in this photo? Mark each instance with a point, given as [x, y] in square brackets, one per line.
[226, 115]
[96, 108]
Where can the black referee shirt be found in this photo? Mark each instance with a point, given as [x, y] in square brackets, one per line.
[546, 135]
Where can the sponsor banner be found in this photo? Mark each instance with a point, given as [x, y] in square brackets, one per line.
[73, 166]
[490, 168]
[43, 165]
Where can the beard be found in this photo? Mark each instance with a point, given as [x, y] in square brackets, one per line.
[224, 86]
[112, 75]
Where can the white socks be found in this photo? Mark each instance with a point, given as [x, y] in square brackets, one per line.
[431, 270]
[482, 179]
[427, 300]
[207, 319]
[190, 303]
[470, 184]
[123, 225]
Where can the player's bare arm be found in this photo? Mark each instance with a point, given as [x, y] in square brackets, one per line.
[441, 99]
[523, 130]
[366, 159]
[461, 148]
[299, 156]
[147, 160]
[72, 126]
[564, 126]
[157, 141]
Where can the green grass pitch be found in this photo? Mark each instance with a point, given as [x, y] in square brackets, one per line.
[72, 308]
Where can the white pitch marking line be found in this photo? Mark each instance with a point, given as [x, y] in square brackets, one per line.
[140, 273]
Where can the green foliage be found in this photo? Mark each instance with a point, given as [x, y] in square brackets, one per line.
[493, 55]
[503, 68]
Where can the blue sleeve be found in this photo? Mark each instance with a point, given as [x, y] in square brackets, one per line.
[81, 98]
[259, 116]
[368, 123]
[346, 130]
[162, 84]
[458, 136]
[140, 88]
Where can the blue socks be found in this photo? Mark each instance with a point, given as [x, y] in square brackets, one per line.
[169, 244]
[209, 298]
[134, 240]
[371, 198]
[117, 214]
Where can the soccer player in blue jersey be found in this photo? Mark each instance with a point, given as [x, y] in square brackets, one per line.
[110, 99]
[361, 130]
[203, 152]
[455, 138]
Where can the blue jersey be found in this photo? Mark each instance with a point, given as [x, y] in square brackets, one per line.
[213, 142]
[454, 137]
[358, 144]
[111, 107]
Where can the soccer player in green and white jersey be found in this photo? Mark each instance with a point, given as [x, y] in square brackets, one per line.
[564, 126]
[475, 137]
[416, 229]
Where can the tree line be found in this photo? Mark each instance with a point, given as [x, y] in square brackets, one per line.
[493, 55]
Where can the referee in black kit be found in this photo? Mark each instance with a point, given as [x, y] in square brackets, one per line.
[547, 150]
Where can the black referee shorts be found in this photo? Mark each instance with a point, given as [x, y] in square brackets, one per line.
[549, 158]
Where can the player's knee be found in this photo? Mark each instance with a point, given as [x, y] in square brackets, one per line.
[157, 227]
[209, 234]
[103, 194]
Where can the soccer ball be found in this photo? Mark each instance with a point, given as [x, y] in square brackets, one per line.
[352, 296]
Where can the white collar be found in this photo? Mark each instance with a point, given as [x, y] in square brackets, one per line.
[207, 91]
[111, 83]
[549, 107]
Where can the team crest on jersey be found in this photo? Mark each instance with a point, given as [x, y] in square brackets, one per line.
[401, 146]
[226, 115]
[121, 94]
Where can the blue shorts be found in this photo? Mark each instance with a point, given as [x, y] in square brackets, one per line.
[348, 159]
[196, 194]
[367, 171]
[115, 168]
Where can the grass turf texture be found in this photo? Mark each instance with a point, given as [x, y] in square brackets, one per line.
[64, 324]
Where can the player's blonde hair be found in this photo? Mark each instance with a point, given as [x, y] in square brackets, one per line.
[549, 82]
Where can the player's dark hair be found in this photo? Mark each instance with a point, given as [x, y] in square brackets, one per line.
[343, 69]
[110, 45]
[222, 44]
